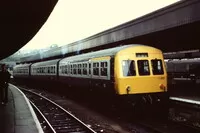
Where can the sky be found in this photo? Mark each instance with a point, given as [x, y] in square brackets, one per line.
[73, 20]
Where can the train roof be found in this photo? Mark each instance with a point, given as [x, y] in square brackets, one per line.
[105, 52]
[22, 65]
[44, 63]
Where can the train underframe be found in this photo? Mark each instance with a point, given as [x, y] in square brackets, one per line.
[102, 91]
[147, 104]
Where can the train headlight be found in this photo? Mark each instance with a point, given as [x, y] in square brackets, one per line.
[162, 87]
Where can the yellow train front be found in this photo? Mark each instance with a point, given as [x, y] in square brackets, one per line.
[133, 73]
[140, 70]
[140, 78]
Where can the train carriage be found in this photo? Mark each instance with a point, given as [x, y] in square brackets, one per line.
[21, 71]
[124, 70]
[186, 70]
[46, 70]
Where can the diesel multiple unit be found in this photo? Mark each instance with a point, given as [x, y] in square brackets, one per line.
[125, 71]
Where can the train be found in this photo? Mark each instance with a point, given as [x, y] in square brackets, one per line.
[184, 70]
[131, 73]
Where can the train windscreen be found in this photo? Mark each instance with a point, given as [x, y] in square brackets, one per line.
[128, 68]
[157, 67]
[143, 67]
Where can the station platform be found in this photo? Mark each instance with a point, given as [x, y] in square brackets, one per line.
[17, 116]
[186, 99]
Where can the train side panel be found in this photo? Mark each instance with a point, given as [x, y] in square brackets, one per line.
[45, 70]
[93, 74]
[21, 71]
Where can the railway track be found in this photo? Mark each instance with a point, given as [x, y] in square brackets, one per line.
[185, 112]
[146, 126]
[56, 119]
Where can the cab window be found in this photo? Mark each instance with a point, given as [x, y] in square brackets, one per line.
[143, 67]
[157, 67]
[128, 67]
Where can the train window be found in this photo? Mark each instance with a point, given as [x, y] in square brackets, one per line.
[62, 70]
[141, 54]
[143, 67]
[84, 69]
[96, 68]
[65, 71]
[38, 70]
[48, 69]
[79, 69]
[128, 68]
[89, 68]
[54, 69]
[71, 69]
[157, 67]
[104, 69]
[74, 69]
[68, 69]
